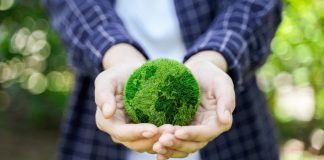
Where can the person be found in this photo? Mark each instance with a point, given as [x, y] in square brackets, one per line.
[222, 42]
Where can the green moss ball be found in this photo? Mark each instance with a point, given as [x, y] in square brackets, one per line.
[161, 92]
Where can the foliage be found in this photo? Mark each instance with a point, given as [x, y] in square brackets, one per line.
[34, 77]
[162, 91]
[293, 77]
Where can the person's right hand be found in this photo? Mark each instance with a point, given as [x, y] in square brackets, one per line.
[110, 115]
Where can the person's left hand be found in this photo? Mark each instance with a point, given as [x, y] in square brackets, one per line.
[214, 114]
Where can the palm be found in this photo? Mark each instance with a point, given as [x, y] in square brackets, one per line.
[209, 81]
[120, 115]
[110, 115]
[205, 114]
[118, 77]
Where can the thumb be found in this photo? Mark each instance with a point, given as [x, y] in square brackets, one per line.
[109, 107]
[105, 89]
[225, 107]
[106, 101]
[224, 115]
[225, 104]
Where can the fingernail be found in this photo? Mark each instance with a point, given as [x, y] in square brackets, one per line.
[226, 115]
[147, 134]
[225, 118]
[105, 109]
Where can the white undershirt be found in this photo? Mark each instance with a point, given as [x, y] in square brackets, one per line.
[155, 26]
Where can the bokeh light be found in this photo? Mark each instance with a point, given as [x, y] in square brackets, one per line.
[295, 103]
[37, 83]
[293, 79]
[317, 139]
[4, 72]
[6, 4]
[59, 81]
[19, 40]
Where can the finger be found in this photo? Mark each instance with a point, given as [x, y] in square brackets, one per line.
[225, 107]
[171, 142]
[225, 96]
[177, 127]
[109, 109]
[106, 102]
[105, 90]
[143, 145]
[225, 117]
[151, 151]
[137, 148]
[198, 133]
[125, 132]
[178, 154]
[166, 128]
[172, 154]
[159, 148]
[161, 157]
[132, 132]
[104, 84]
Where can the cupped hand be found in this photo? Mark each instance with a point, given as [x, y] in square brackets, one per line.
[214, 115]
[110, 115]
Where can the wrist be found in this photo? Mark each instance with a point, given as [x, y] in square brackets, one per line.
[122, 54]
[208, 56]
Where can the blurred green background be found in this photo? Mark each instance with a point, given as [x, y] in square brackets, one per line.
[35, 81]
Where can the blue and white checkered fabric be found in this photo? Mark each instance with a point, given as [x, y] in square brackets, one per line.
[241, 30]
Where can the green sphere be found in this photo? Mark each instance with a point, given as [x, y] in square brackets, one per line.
[161, 92]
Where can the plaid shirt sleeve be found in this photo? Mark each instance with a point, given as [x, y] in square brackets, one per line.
[88, 28]
[241, 32]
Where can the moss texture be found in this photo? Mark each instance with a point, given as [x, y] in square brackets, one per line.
[161, 92]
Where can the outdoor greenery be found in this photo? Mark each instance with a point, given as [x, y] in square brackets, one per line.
[293, 77]
[35, 80]
[162, 91]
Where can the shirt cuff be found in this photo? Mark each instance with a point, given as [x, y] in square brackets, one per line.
[228, 43]
[103, 38]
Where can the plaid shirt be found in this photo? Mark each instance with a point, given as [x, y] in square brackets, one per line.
[241, 30]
